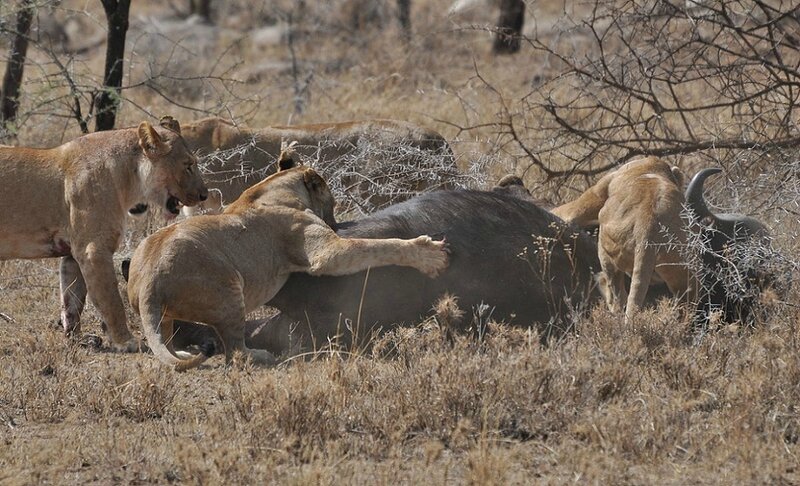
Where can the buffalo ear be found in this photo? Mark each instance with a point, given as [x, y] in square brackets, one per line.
[170, 123]
[151, 141]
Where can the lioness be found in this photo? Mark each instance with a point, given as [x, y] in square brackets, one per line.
[71, 202]
[214, 269]
[395, 159]
[638, 208]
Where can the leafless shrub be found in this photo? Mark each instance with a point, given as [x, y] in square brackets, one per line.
[538, 257]
[177, 61]
[374, 175]
[647, 78]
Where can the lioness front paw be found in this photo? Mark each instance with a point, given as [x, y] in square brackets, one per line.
[433, 255]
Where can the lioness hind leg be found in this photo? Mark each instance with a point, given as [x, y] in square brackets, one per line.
[73, 295]
[644, 265]
[615, 292]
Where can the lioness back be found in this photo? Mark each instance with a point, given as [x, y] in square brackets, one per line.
[369, 163]
[166, 263]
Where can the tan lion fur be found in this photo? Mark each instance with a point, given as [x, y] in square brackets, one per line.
[638, 208]
[72, 201]
[214, 269]
[248, 155]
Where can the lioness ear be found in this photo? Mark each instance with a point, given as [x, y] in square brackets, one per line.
[288, 157]
[678, 174]
[314, 182]
[170, 123]
[150, 140]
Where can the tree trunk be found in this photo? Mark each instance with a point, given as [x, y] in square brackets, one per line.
[201, 8]
[108, 101]
[509, 27]
[404, 16]
[12, 80]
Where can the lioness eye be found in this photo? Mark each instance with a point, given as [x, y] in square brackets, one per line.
[189, 168]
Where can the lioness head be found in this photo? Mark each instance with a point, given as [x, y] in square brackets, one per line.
[322, 202]
[173, 178]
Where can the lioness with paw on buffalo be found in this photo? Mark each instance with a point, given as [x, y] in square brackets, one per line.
[510, 261]
[214, 269]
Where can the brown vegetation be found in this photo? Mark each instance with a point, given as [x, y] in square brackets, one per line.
[612, 404]
[609, 404]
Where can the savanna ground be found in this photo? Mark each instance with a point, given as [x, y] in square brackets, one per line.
[612, 404]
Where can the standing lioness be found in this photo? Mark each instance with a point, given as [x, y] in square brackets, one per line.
[214, 269]
[71, 202]
[638, 208]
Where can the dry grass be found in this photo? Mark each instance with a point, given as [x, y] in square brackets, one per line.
[611, 404]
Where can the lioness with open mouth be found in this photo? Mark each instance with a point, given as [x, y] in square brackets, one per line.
[71, 202]
[214, 269]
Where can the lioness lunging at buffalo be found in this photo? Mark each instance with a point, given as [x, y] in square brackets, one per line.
[71, 202]
[638, 208]
[214, 269]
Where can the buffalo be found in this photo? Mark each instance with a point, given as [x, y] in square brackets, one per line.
[733, 259]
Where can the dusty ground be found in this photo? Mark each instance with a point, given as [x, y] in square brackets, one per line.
[611, 404]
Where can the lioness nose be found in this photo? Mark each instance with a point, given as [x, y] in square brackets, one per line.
[203, 194]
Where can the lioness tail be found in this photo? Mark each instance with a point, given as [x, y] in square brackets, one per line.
[585, 210]
[155, 325]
